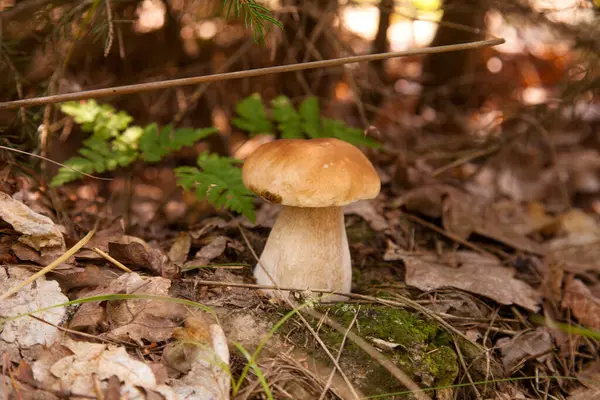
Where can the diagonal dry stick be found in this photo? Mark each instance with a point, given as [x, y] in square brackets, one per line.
[64, 257]
[146, 87]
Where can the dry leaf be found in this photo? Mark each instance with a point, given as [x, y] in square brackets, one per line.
[180, 249]
[90, 276]
[524, 345]
[101, 361]
[457, 214]
[138, 254]
[202, 350]
[113, 233]
[26, 332]
[211, 251]
[461, 214]
[585, 307]
[152, 320]
[579, 246]
[474, 272]
[38, 230]
[208, 225]
[366, 211]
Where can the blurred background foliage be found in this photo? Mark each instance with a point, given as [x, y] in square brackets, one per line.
[546, 68]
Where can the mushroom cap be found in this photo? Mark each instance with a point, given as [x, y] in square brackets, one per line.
[320, 172]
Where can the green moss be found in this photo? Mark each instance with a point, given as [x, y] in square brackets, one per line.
[418, 347]
[359, 232]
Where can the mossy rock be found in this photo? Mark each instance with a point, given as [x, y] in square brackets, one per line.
[418, 347]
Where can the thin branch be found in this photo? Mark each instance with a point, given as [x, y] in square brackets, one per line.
[55, 162]
[146, 87]
[111, 28]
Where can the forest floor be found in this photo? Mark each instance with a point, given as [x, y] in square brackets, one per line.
[463, 278]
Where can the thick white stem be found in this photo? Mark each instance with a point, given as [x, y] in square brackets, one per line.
[307, 248]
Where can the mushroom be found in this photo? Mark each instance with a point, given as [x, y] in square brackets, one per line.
[312, 179]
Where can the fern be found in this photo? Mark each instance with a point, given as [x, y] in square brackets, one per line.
[218, 180]
[98, 156]
[252, 116]
[306, 122]
[255, 16]
[113, 143]
[155, 144]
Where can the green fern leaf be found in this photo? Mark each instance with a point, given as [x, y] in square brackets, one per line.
[339, 130]
[66, 175]
[81, 112]
[311, 117]
[219, 181]
[155, 144]
[289, 121]
[98, 156]
[252, 116]
[103, 119]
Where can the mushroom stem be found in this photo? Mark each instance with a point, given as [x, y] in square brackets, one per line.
[307, 248]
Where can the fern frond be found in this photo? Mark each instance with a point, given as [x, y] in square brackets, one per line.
[255, 16]
[219, 181]
[103, 120]
[114, 143]
[252, 116]
[288, 120]
[307, 122]
[98, 156]
[155, 144]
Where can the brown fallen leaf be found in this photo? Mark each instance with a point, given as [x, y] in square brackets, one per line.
[113, 233]
[152, 320]
[578, 246]
[38, 231]
[589, 377]
[462, 215]
[584, 306]
[457, 214]
[201, 352]
[214, 249]
[472, 272]
[138, 254]
[180, 249]
[532, 343]
[90, 276]
[208, 225]
[366, 210]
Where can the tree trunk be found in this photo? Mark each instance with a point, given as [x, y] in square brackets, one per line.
[448, 78]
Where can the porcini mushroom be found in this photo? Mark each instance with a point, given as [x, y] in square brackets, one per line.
[312, 179]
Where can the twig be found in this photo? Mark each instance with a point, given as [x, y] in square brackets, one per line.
[402, 302]
[464, 159]
[65, 256]
[111, 28]
[145, 87]
[191, 102]
[55, 162]
[331, 375]
[86, 335]
[447, 234]
[372, 351]
[111, 259]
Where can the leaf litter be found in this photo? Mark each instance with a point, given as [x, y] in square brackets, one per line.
[469, 271]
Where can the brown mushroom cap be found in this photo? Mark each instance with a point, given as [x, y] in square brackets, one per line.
[310, 173]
